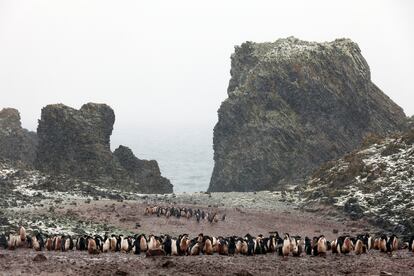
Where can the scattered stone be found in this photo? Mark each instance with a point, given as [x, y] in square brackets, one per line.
[168, 264]
[243, 273]
[40, 258]
[121, 273]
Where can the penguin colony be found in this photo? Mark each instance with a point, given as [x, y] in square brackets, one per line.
[202, 244]
[188, 213]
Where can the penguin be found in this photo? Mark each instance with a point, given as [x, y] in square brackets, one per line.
[360, 248]
[167, 245]
[376, 245]
[347, 246]
[29, 242]
[82, 244]
[22, 234]
[174, 247]
[49, 244]
[208, 245]
[293, 246]
[258, 248]
[308, 246]
[315, 246]
[334, 247]
[58, 243]
[143, 243]
[301, 246]
[92, 249]
[106, 245]
[239, 244]
[286, 245]
[296, 246]
[12, 242]
[124, 245]
[40, 240]
[152, 244]
[3, 241]
[250, 244]
[392, 244]
[36, 244]
[410, 244]
[223, 246]
[271, 244]
[112, 243]
[383, 243]
[279, 245]
[194, 248]
[232, 245]
[184, 243]
[322, 246]
[63, 243]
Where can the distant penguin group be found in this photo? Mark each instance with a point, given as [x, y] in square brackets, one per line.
[178, 212]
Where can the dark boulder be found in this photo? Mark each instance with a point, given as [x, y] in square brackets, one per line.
[144, 172]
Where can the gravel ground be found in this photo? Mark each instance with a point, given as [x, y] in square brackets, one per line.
[21, 262]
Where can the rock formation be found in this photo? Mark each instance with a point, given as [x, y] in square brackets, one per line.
[293, 105]
[375, 182]
[16, 143]
[145, 172]
[77, 143]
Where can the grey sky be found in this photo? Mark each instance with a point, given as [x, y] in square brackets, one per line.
[167, 62]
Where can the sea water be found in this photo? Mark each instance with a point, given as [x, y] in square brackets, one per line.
[184, 154]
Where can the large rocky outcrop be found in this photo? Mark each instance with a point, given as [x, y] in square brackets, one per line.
[77, 143]
[293, 105]
[146, 172]
[16, 143]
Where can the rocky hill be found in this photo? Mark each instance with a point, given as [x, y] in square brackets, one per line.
[375, 182]
[16, 143]
[77, 143]
[293, 105]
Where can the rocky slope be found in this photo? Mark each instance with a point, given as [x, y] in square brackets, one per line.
[375, 182]
[16, 143]
[77, 143]
[293, 105]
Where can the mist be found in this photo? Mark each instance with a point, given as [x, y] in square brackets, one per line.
[163, 66]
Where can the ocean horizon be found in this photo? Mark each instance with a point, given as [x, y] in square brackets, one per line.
[184, 154]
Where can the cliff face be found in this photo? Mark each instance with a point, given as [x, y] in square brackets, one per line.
[374, 182]
[77, 143]
[16, 143]
[144, 172]
[293, 105]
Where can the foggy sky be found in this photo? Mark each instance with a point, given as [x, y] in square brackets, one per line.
[167, 63]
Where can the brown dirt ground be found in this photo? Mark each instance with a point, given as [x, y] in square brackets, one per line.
[125, 215]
